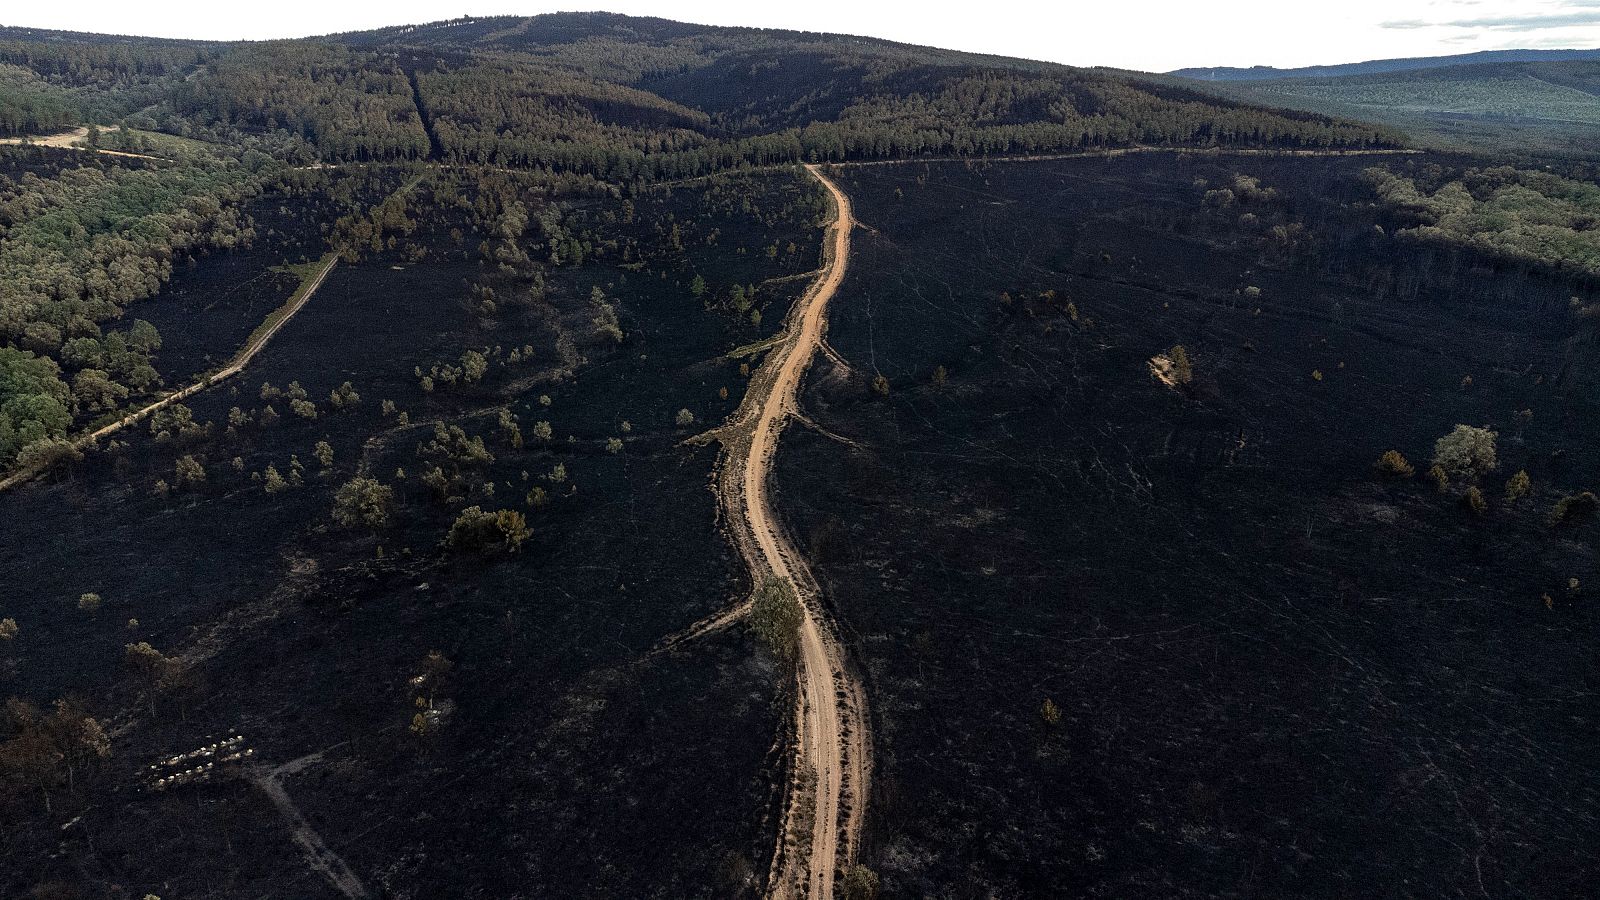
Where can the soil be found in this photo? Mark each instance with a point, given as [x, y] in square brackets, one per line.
[824, 811]
[569, 759]
[1271, 672]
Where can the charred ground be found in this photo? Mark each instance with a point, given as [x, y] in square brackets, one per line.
[1269, 669]
[555, 754]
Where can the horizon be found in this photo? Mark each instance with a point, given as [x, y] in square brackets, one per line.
[1113, 38]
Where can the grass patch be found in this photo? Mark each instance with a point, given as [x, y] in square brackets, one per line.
[307, 273]
[757, 347]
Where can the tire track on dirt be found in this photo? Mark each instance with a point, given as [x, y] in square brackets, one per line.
[827, 788]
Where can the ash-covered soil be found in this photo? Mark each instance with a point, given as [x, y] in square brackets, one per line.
[1270, 671]
[558, 755]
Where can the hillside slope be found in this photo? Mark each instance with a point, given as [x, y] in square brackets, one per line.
[1538, 107]
[624, 98]
[1382, 66]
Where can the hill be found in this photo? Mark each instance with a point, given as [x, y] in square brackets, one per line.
[1544, 108]
[618, 97]
[1380, 66]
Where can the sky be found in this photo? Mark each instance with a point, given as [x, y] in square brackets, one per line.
[1151, 35]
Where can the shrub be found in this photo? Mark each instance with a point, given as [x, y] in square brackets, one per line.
[274, 481]
[437, 482]
[510, 428]
[1440, 479]
[46, 749]
[1466, 451]
[860, 883]
[189, 471]
[450, 443]
[775, 615]
[478, 530]
[47, 453]
[155, 670]
[344, 396]
[1574, 509]
[363, 502]
[1393, 462]
[1518, 486]
[1182, 369]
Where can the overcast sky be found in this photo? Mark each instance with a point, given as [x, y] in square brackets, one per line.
[1154, 35]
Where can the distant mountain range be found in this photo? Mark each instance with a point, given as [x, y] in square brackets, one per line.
[1381, 66]
[1535, 103]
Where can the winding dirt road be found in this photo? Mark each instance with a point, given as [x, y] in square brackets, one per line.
[827, 791]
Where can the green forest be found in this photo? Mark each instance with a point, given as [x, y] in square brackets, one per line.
[620, 98]
[1549, 108]
[1516, 214]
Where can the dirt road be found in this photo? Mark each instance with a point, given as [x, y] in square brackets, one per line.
[70, 140]
[319, 857]
[823, 815]
[240, 360]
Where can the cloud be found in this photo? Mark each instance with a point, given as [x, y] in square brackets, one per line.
[1571, 14]
[1530, 23]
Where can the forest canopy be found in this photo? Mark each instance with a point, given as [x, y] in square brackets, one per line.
[75, 250]
[1520, 214]
[621, 98]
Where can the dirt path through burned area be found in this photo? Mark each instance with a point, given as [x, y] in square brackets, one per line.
[827, 787]
[240, 360]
